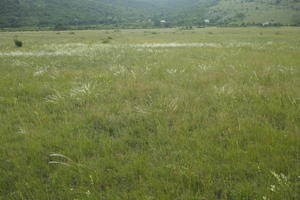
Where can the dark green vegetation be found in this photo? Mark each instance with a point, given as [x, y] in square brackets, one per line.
[146, 13]
[213, 116]
[18, 43]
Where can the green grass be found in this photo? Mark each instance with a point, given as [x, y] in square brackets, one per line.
[111, 121]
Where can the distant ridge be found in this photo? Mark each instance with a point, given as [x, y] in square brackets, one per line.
[148, 13]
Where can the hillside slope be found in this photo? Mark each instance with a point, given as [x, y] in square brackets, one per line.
[18, 13]
[14, 13]
[284, 12]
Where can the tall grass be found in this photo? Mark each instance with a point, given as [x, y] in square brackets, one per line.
[210, 122]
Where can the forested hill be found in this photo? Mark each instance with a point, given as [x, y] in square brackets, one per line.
[281, 12]
[148, 13]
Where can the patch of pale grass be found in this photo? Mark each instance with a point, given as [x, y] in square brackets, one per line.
[84, 89]
[60, 159]
[82, 49]
[54, 98]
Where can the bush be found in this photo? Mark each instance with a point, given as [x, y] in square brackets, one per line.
[105, 41]
[18, 43]
[59, 27]
[186, 28]
[240, 15]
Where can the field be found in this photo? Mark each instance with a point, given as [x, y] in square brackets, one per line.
[166, 114]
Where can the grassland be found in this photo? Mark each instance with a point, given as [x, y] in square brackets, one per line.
[152, 114]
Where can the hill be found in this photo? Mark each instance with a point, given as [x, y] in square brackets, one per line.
[238, 12]
[146, 13]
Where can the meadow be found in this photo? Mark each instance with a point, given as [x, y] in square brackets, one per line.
[168, 114]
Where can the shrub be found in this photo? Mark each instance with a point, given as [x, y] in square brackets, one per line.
[59, 27]
[240, 15]
[18, 43]
[186, 28]
[105, 41]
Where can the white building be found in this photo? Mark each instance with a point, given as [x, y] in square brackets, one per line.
[207, 21]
